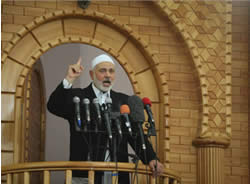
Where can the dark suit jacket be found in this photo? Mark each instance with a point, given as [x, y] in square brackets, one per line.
[61, 104]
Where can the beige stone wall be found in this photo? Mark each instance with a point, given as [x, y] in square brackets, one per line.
[186, 60]
[237, 159]
[248, 80]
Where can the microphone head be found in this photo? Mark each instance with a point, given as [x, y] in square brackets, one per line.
[124, 109]
[86, 101]
[95, 101]
[76, 99]
[108, 100]
[136, 109]
[146, 101]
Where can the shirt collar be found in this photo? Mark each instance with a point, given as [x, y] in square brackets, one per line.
[98, 92]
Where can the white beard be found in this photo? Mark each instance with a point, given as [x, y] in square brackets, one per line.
[99, 85]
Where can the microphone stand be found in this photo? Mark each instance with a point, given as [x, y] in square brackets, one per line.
[77, 128]
[135, 160]
[113, 143]
[114, 149]
[152, 132]
[85, 128]
[151, 128]
[143, 145]
[98, 123]
[114, 158]
[142, 140]
[90, 144]
[98, 141]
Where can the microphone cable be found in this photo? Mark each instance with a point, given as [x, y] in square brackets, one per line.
[146, 161]
[136, 163]
[137, 116]
[156, 150]
[97, 144]
[116, 173]
[99, 136]
[151, 131]
[136, 170]
[85, 139]
[118, 148]
[145, 158]
[86, 103]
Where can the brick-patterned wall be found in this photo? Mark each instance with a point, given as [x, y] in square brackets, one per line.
[236, 165]
[175, 61]
[248, 82]
[184, 95]
[184, 103]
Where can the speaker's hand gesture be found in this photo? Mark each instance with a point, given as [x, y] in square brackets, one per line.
[74, 71]
[156, 167]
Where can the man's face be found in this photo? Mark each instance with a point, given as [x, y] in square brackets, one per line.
[103, 76]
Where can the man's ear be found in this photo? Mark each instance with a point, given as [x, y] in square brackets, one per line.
[91, 74]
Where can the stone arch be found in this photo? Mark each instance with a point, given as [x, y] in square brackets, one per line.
[197, 63]
[168, 8]
[60, 27]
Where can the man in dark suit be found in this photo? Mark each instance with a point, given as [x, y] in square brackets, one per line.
[91, 145]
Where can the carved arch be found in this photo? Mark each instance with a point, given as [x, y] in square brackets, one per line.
[167, 7]
[197, 63]
[60, 27]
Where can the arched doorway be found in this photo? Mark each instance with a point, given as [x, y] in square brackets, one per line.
[116, 39]
[57, 129]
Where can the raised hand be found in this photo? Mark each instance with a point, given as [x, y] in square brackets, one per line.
[74, 71]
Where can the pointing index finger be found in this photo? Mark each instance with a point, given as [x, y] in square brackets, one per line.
[79, 61]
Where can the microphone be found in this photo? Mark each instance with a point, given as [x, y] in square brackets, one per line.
[147, 104]
[76, 100]
[98, 111]
[125, 111]
[86, 109]
[106, 115]
[137, 115]
[118, 127]
[108, 102]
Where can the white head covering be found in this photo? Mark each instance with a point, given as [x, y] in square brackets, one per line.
[100, 59]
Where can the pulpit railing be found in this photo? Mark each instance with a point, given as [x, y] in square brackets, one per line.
[24, 170]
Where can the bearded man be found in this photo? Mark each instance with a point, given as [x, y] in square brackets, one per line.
[92, 145]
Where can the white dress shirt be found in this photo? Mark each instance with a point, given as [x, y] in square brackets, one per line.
[100, 94]
[107, 178]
